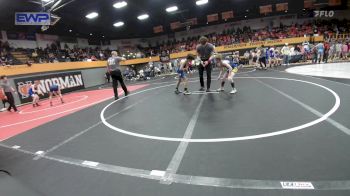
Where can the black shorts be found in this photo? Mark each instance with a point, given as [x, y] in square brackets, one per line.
[54, 89]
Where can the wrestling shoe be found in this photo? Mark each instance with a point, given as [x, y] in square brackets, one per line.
[220, 90]
[187, 93]
[233, 91]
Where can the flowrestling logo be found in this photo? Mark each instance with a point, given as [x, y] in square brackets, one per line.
[323, 13]
[32, 18]
[68, 82]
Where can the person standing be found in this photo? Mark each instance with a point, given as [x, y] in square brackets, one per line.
[184, 68]
[344, 52]
[286, 53]
[320, 52]
[306, 49]
[113, 65]
[262, 58]
[205, 51]
[326, 52]
[338, 49]
[7, 90]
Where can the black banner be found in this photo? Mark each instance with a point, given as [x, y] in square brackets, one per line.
[68, 82]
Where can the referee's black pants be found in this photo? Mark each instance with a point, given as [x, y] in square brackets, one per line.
[117, 77]
[208, 69]
[11, 101]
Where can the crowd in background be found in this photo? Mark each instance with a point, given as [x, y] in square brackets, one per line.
[5, 56]
[54, 53]
[264, 56]
[322, 52]
[246, 34]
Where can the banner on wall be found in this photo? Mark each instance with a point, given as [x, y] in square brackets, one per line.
[265, 9]
[175, 25]
[281, 7]
[46, 37]
[334, 2]
[192, 21]
[308, 4]
[158, 29]
[20, 36]
[227, 15]
[212, 17]
[69, 82]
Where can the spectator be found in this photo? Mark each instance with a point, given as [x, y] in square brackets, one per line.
[326, 52]
[286, 54]
[344, 52]
[320, 52]
[338, 49]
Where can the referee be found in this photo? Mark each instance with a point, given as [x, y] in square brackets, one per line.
[113, 65]
[7, 91]
[204, 51]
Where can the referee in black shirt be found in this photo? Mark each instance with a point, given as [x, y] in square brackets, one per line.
[204, 51]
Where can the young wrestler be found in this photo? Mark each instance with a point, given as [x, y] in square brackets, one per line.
[34, 93]
[230, 72]
[182, 71]
[278, 58]
[55, 90]
[272, 58]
